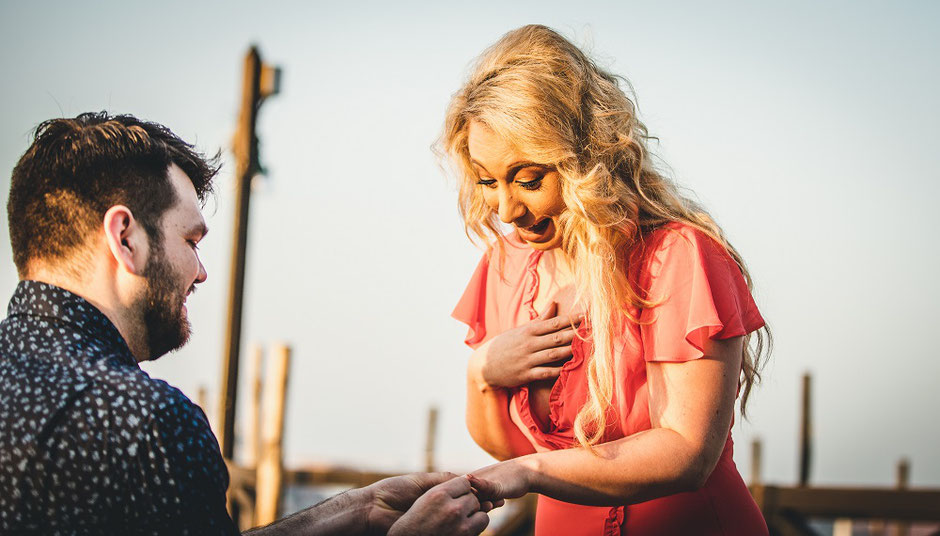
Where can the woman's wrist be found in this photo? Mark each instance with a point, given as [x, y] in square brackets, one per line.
[530, 472]
[475, 370]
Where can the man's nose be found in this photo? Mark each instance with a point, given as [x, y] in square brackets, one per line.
[510, 209]
[203, 274]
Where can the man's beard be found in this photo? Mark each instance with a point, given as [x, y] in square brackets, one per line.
[167, 329]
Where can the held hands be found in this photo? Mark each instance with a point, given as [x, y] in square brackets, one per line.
[528, 353]
[429, 504]
[510, 479]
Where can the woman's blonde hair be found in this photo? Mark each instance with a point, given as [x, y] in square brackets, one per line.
[541, 93]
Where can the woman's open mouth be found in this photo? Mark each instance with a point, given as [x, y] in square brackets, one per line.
[540, 226]
[536, 233]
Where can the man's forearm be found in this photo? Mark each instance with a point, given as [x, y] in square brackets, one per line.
[343, 514]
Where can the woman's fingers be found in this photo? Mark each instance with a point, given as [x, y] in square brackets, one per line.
[551, 355]
[553, 340]
[556, 338]
[544, 373]
[557, 323]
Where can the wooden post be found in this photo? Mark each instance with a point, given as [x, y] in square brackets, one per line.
[755, 462]
[903, 528]
[202, 400]
[806, 432]
[270, 463]
[259, 81]
[842, 527]
[252, 439]
[429, 445]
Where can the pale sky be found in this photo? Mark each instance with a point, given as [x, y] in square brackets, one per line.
[810, 132]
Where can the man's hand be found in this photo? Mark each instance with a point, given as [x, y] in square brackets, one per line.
[411, 505]
[427, 504]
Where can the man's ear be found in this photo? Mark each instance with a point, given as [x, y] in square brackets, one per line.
[126, 238]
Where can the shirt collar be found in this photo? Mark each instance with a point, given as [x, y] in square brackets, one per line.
[36, 298]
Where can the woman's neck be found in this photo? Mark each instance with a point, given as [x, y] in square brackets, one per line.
[560, 265]
[556, 282]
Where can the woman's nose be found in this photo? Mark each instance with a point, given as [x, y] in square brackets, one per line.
[510, 209]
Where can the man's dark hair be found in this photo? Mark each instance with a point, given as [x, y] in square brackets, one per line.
[76, 169]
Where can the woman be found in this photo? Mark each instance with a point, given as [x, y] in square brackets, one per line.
[610, 327]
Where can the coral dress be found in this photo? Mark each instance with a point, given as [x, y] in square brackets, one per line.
[703, 295]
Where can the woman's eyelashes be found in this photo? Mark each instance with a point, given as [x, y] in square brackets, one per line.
[527, 184]
[530, 184]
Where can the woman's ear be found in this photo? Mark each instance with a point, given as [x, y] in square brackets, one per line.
[127, 240]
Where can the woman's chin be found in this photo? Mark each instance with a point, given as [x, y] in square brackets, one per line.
[547, 243]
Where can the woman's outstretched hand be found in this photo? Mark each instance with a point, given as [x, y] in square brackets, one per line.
[531, 352]
[505, 480]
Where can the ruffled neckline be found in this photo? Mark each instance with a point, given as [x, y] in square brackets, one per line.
[558, 435]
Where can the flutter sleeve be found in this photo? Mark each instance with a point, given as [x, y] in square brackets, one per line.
[701, 294]
[472, 307]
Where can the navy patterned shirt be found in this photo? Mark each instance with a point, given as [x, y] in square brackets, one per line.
[89, 443]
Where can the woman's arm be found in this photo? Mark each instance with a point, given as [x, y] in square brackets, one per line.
[691, 405]
[528, 353]
[488, 413]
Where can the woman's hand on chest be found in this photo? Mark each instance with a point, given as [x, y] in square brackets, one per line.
[532, 352]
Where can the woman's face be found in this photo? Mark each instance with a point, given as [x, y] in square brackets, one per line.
[523, 193]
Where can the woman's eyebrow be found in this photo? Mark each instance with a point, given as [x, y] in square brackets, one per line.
[479, 165]
[514, 167]
[518, 166]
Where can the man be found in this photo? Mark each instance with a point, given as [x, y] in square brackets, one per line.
[105, 220]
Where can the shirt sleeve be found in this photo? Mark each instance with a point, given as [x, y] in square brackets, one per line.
[472, 307]
[700, 294]
[182, 471]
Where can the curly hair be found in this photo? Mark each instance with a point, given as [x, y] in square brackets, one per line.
[77, 168]
[540, 92]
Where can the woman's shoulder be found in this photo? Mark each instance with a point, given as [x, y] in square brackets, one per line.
[682, 245]
[492, 289]
[694, 283]
[677, 235]
[675, 232]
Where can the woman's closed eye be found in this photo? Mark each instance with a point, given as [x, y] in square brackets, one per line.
[527, 184]
[530, 184]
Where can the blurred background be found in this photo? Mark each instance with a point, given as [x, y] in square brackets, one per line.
[808, 130]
